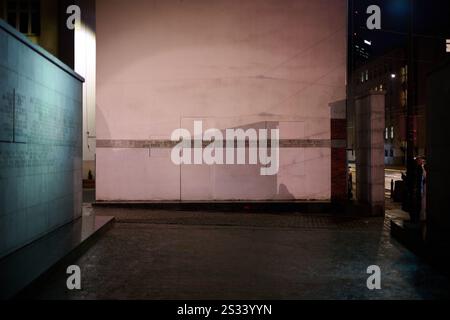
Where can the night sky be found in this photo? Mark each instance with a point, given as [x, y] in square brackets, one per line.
[431, 19]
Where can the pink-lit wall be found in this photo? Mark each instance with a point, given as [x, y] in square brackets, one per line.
[231, 63]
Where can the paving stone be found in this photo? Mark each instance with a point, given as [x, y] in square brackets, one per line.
[182, 255]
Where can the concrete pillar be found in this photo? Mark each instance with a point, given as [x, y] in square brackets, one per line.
[339, 172]
[370, 126]
[438, 155]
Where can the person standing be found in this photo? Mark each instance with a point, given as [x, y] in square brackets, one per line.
[423, 211]
[418, 191]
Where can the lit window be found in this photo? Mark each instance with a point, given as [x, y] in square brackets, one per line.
[404, 74]
[386, 134]
[24, 15]
[392, 132]
[403, 98]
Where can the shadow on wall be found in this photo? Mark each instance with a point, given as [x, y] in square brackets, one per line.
[195, 182]
[235, 182]
[105, 133]
[284, 194]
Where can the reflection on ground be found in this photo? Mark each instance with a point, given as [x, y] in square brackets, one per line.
[200, 255]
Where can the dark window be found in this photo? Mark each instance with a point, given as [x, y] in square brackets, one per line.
[12, 19]
[24, 15]
[24, 22]
[23, 4]
[35, 23]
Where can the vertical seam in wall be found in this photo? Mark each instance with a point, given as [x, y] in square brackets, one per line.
[180, 165]
[14, 115]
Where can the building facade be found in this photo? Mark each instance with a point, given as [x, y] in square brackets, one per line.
[163, 65]
[387, 73]
[44, 23]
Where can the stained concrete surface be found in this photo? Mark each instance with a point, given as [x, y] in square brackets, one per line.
[187, 255]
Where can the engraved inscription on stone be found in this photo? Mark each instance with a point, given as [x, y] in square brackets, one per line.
[37, 133]
[31, 120]
[20, 119]
[6, 117]
[40, 146]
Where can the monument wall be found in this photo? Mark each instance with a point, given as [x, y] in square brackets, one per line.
[262, 64]
[40, 141]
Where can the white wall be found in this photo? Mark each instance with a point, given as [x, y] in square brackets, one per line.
[85, 65]
[163, 64]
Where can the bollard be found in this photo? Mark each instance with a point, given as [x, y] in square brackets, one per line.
[392, 188]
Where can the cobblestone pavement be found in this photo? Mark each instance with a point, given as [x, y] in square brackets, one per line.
[186, 255]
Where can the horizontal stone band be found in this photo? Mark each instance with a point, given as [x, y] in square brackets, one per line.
[165, 144]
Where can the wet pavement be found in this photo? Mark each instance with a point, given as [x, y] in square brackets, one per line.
[200, 255]
[390, 175]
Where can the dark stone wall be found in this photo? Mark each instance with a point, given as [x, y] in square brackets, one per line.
[40, 142]
[438, 150]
